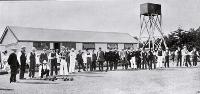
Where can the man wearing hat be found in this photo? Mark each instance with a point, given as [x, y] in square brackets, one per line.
[21, 56]
[64, 56]
[150, 58]
[14, 65]
[79, 59]
[116, 58]
[160, 57]
[144, 58]
[186, 57]
[44, 68]
[32, 62]
[194, 54]
[178, 54]
[43, 56]
[107, 59]
[72, 56]
[138, 58]
[100, 59]
[94, 59]
[167, 57]
[53, 59]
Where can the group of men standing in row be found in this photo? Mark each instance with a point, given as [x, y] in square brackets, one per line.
[47, 62]
[185, 57]
[143, 59]
[88, 61]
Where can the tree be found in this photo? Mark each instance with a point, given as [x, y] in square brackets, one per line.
[180, 37]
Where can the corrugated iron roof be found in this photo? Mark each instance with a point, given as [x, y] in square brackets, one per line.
[55, 35]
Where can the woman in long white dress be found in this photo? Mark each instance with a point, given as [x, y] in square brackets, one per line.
[4, 61]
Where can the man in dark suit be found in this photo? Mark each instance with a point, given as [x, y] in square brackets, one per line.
[32, 62]
[94, 59]
[167, 58]
[111, 58]
[43, 56]
[53, 59]
[107, 59]
[79, 59]
[21, 56]
[179, 56]
[14, 65]
[144, 59]
[150, 59]
[195, 55]
[100, 59]
[138, 58]
[116, 59]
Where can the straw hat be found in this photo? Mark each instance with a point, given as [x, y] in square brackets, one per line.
[44, 62]
[23, 47]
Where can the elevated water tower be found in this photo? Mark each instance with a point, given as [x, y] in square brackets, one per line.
[151, 23]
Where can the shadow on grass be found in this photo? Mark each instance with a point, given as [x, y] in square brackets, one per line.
[37, 83]
[93, 76]
[6, 89]
[87, 75]
[92, 72]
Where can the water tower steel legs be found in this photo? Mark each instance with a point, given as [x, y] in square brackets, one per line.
[151, 24]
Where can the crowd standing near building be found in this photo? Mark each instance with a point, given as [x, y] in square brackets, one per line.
[69, 60]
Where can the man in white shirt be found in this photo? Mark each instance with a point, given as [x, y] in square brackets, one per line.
[186, 57]
[72, 61]
[64, 59]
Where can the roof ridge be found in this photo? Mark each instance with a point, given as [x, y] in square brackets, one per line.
[67, 29]
[23, 34]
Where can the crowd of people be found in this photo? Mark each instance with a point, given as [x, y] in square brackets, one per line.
[69, 60]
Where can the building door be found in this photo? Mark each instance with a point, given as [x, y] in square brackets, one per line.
[57, 46]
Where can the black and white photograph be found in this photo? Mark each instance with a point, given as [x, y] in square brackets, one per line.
[99, 47]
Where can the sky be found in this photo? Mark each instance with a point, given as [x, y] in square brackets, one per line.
[96, 15]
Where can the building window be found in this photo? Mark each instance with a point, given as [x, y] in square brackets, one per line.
[112, 46]
[41, 45]
[69, 45]
[88, 46]
[128, 45]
